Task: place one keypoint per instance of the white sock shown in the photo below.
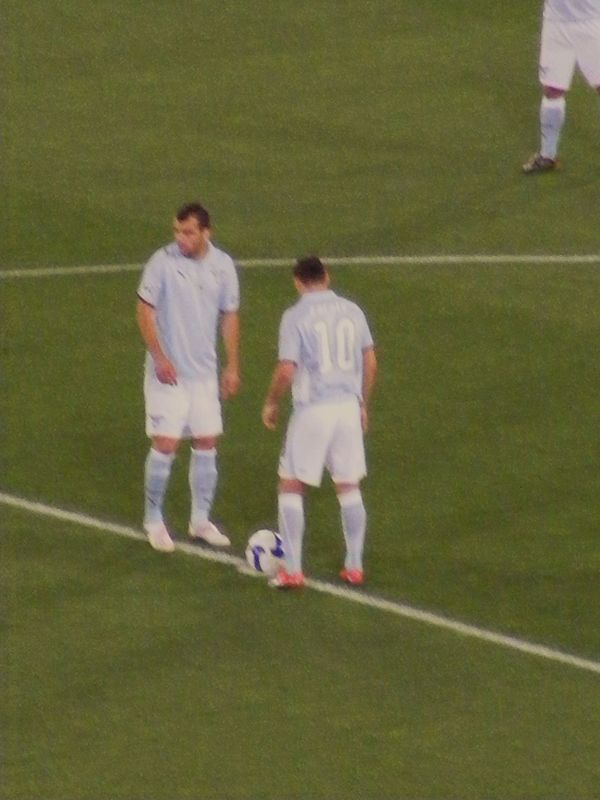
(203, 477)
(354, 524)
(552, 118)
(291, 529)
(156, 478)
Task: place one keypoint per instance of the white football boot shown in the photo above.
(208, 533)
(159, 538)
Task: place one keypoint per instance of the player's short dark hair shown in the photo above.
(195, 210)
(310, 270)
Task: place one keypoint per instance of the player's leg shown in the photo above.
(203, 478)
(354, 526)
(552, 119)
(290, 508)
(557, 64)
(157, 471)
(301, 463)
(164, 421)
(346, 463)
(206, 425)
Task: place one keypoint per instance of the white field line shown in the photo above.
(334, 261)
(351, 595)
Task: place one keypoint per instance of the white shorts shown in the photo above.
(566, 45)
(189, 409)
(324, 435)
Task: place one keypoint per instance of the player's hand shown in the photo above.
(230, 382)
(165, 370)
(270, 415)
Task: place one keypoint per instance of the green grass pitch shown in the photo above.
(346, 129)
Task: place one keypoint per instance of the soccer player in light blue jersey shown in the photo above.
(570, 38)
(187, 291)
(327, 358)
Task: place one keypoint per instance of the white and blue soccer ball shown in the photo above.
(264, 552)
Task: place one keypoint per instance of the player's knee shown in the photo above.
(165, 445)
(205, 443)
(345, 488)
(350, 497)
(290, 486)
(552, 93)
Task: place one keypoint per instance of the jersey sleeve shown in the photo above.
(366, 337)
(229, 299)
(289, 339)
(150, 285)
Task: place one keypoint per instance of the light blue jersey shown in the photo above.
(188, 295)
(324, 335)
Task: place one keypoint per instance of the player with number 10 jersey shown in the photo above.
(325, 336)
(326, 357)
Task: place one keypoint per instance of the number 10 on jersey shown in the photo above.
(336, 345)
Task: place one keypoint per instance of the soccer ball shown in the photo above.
(264, 552)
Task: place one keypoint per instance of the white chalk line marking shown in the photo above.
(354, 596)
(334, 261)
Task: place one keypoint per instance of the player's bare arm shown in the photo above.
(230, 375)
(369, 376)
(283, 377)
(146, 317)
